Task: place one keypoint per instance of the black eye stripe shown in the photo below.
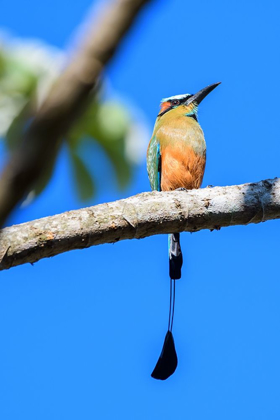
(174, 102)
(180, 101)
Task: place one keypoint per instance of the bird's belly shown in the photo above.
(181, 167)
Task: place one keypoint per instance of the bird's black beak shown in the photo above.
(199, 96)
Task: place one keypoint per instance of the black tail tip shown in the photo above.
(175, 256)
(175, 266)
(168, 361)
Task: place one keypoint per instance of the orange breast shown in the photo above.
(181, 167)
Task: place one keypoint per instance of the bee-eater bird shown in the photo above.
(176, 159)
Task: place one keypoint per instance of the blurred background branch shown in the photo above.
(34, 123)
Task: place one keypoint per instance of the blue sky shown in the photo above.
(81, 332)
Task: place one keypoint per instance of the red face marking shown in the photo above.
(164, 106)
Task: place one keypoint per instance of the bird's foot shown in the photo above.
(209, 186)
(181, 189)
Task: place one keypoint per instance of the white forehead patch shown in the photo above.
(175, 97)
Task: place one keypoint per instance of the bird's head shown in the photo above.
(188, 102)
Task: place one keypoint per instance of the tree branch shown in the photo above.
(139, 216)
(65, 103)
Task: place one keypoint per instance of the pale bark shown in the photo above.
(139, 216)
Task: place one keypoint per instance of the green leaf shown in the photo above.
(109, 126)
(121, 165)
(84, 127)
(2, 63)
(19, 79)
(15, 131)
(83, 179)
(46, 175)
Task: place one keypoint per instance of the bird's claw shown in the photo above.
(181, 189)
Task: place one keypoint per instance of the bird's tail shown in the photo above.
(167, 362)
(175, 256)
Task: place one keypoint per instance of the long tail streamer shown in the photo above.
(167, 362)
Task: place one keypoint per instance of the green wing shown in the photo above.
(154, 164)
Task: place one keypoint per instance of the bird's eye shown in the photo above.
(175, 102)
